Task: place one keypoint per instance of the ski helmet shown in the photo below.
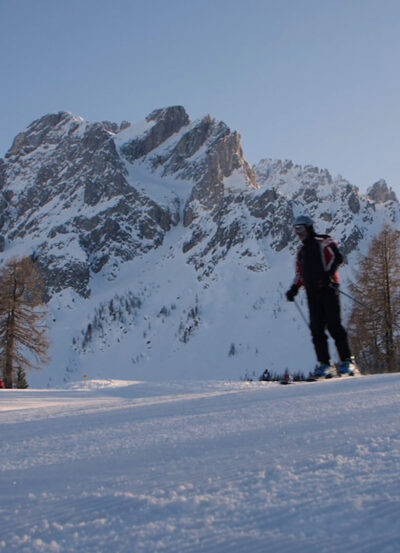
(304, 220)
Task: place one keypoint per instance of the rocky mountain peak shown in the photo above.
(380, 192)
(71, 185)
(175, 114)
(107, 193)
(45, 130)
(167, 122)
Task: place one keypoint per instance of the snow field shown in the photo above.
(202, 467)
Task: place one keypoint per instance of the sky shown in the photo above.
(314, 81)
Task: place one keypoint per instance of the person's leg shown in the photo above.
(334, 324)
(317, 327)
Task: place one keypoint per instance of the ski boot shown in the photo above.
(348, 368)
(325, 370)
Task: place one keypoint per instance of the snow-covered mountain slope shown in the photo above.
(202, 467)
(165, 254)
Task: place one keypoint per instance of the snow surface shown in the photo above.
(107, 466)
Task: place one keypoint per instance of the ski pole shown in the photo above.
(373, 311)
(301, 313)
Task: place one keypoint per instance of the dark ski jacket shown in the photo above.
(317, 261)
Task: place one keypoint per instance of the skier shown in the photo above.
(286, 379)
(265, 377)
(317, 261)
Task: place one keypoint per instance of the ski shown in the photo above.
(330, 377)
(299, 377)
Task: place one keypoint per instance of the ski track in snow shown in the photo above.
(202, 467)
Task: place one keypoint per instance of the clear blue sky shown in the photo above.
(315, 81)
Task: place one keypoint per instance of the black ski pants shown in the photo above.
(324, 307)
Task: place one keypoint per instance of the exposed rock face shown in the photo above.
(264, 213)
(80, 194)
(224, 157)
(66, 187)
(41, 132)
(65, 184)
(381, 193)
(334, 204)
(166, 123)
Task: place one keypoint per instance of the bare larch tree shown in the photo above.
(375, 328)
(23, 330)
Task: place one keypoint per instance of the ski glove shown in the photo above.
(291, 293)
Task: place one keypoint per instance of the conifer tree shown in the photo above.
(22, 383)
(23, 340)
(375, 328)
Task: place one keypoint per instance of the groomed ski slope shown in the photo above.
(202, 467)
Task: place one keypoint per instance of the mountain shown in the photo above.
(165, 254)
